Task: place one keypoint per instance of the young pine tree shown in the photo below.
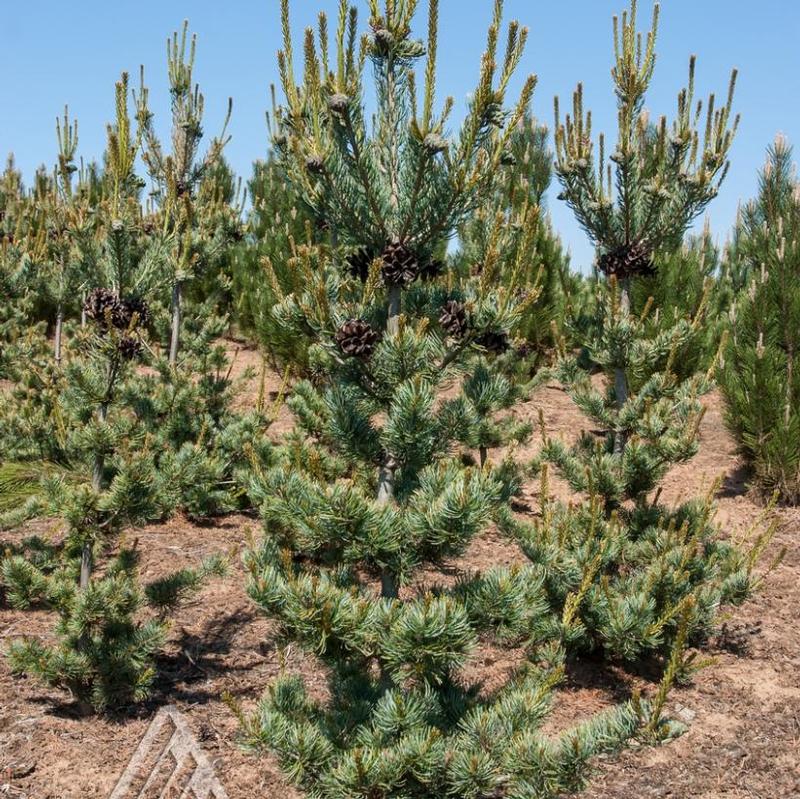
(56, 273)
(105, 642)
(178, 174)
(372, 490)
(760, 375)
(634, 562)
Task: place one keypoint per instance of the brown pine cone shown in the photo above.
(432, 269)
(495, 342)
(628, 260)
(103, 307)
(356, 338)
(130, 348)
(315, 164)
(135, 306)
(400, 265)
(454, 319)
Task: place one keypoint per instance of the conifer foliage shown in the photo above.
(634, 563)
(406, 362)
(105, 649)
(760, 376)
(523, 180)
(373, 490)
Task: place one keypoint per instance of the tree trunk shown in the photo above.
(86, 565)
(393, 322)
(484, 454)
(59, 330)
(620, 379)
(789, 386)
(389, 587)
(97, 485)
(176, 322)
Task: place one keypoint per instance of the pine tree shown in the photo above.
(760, 377)
(16, 304)
(664, 180)
(633, 562)
(177, 175)
(372, 488)
(27, 422)
(690, 283)
(104, 652)
(55, 271)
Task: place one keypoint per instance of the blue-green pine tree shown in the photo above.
(372, 490)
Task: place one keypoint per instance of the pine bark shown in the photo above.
(177, 292)
(59, 333)
(389, 587)
(620, 379)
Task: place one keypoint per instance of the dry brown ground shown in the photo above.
(743, 712)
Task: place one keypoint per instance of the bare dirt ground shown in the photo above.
(743, 712)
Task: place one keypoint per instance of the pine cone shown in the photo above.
(339, 103)
(359, 262)
(356, 338)
(135, 306)
(103, 306)
(432, 269)
(400, 265)
(629, 260)
(494, 342)
(315, 164)
(130, 348)
(454, 319)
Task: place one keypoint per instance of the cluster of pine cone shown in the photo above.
(627, 260)
(400, 265)
(107, 309)
(104, 306)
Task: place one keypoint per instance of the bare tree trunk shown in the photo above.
(789, 386)
(176, 322)
(393, 322)
(484, 454)
(389, 587)
(620, 379)
(97, 485)
(59, 330)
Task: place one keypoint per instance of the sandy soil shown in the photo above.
(743, 712)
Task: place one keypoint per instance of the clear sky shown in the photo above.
(52, 53)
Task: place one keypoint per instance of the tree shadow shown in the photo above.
(736, 482)
(199, 658)
(736, 638)
(615, 680)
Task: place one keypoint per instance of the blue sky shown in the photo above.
(52, 53)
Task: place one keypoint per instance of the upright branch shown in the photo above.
(178, 174)
(643, 196)
(398, 188)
